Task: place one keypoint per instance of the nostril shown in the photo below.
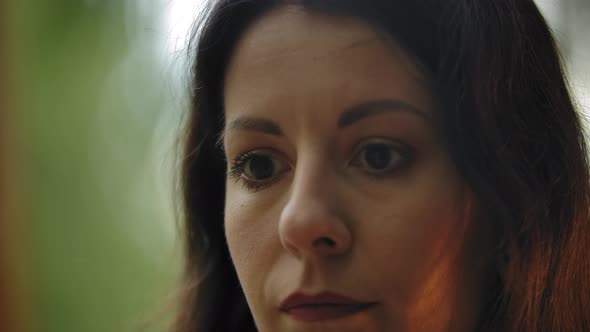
(325, 241)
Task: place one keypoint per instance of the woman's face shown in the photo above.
(343, 211)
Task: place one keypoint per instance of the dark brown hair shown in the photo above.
(506, 118)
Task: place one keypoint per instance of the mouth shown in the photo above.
(323, 306)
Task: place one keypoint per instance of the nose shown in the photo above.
(309, 225)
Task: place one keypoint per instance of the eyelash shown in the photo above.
(237, 167)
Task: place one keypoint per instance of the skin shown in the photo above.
(325, 220)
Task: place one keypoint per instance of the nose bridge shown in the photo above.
(312, 177)
(310, 223)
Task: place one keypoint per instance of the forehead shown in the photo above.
(291, 30)
(292, 54)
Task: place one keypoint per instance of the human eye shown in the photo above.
(257, 169)
(379, 156)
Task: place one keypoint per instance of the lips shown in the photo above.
(323, 306)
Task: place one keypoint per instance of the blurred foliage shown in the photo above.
(101, 235)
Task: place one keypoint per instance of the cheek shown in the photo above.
(243, 234)
(421, 227)
(251, 238)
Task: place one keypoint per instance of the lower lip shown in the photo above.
(315, 313)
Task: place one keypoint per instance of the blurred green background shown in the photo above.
(101, 92)
(100, 87)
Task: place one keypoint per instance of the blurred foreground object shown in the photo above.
(11, 290)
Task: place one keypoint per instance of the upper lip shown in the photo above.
(325, 298)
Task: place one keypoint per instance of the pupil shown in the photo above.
(261, 167)
(377, 156)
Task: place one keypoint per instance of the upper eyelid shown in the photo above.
(407, 150)
(266, 150)
(262, 151)
(243, 152)
(378, 139)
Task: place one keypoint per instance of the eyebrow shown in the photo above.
(350, 116)
(256, 124)
(363, 110)
(250, 124)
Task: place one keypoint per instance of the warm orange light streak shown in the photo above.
(11, 253)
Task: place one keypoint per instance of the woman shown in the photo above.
(383, 166)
